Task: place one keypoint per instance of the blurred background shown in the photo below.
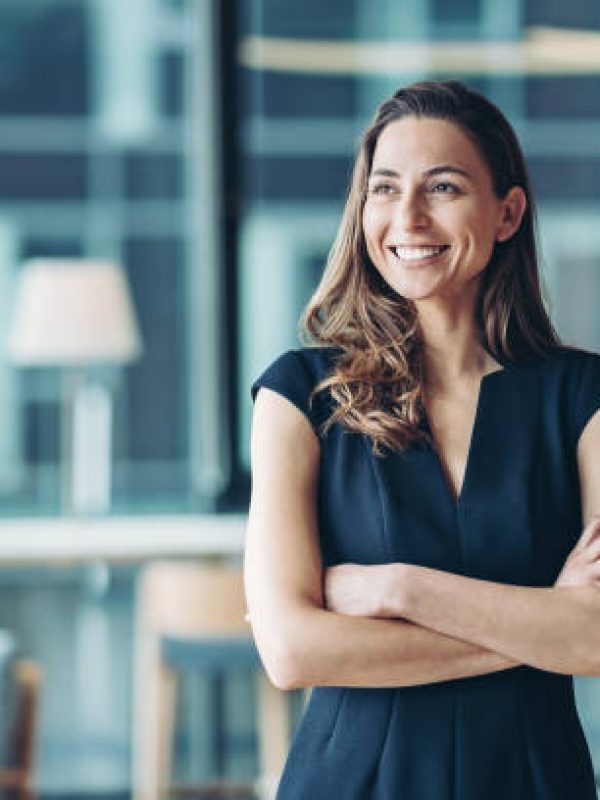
(193, 156)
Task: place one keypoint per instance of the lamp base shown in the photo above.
(87, 446)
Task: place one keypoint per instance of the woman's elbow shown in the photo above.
(282, 669)
(283, 674)
(285, 658)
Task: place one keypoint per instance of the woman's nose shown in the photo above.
(412, 211)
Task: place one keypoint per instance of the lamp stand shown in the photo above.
(86, 444)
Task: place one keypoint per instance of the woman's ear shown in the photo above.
(512, 210)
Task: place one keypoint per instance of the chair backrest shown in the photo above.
(183, 599)
(8, 697)
(28, 678)
(19, 690)
(196, 601)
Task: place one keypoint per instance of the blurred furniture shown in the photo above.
(75, 314)
(34, 541)
(19, 689)
(192, 616)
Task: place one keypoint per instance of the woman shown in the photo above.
(423, 544)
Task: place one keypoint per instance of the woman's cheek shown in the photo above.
(374, 253)
(373, 230)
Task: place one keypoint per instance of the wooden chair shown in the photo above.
(16, 778)
(189, 615)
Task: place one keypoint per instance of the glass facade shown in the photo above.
(99, 104)
(303, 109)
(207, 148)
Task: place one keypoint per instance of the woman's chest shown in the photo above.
(513, 520)
(451, 420)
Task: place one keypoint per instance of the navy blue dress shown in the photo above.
(509, 735)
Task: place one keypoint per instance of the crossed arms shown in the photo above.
(397, 624)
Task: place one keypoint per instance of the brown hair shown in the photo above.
(377, 382)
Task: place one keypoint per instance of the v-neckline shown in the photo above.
(456, 500)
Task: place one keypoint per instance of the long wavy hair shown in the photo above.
(377, 381)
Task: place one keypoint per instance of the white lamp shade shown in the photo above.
(73, 311)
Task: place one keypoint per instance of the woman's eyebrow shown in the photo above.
(442, 168)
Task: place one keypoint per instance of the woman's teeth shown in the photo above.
(417, 253)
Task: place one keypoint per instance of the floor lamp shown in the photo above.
(73, 314)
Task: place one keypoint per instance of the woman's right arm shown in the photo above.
(300, 642)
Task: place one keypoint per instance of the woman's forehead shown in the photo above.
(414, 143)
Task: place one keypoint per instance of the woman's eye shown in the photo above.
(382, 188)
(446, 188)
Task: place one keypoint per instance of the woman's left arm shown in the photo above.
(555, 629)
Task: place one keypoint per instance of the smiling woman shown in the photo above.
(439, 166)
(422, 472)
(413, 208)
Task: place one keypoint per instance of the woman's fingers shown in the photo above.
(589, 534)
(582, 567)
(592, 551)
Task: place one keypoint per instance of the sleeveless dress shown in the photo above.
(509, 735)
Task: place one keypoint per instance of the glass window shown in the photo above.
(563, 97)
(107, 151)
(170, 87)
(44, 50)
(310, 79)
(301, 116)
(461, 11)
(151, 174)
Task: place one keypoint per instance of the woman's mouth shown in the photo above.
(419, 256)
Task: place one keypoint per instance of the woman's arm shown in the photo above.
(300, 642)
(555, 628)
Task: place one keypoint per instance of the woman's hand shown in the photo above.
(364, 591)
(582, 567)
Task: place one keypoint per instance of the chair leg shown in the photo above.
(167, 702)
(214, 790)
(15, 785)
(273, 726)
(217, 722)
(153, 720)
(145, 722)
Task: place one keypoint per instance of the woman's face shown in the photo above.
(431, 217)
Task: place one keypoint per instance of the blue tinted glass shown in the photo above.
(466, 11)
(48, 176)
(312, 19)
(564, 97)
(170, 83)
(153, 175)
(45, 58)
(156, 429)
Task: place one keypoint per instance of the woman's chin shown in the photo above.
(411, 290)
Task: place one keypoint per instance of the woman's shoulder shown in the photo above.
(310, 364)
(294, 374)
(318, 359)
(571, 381)
(564, 372)
(567, 363)
(559, 360)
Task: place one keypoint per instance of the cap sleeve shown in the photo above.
(290, 376)
(586, 392)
